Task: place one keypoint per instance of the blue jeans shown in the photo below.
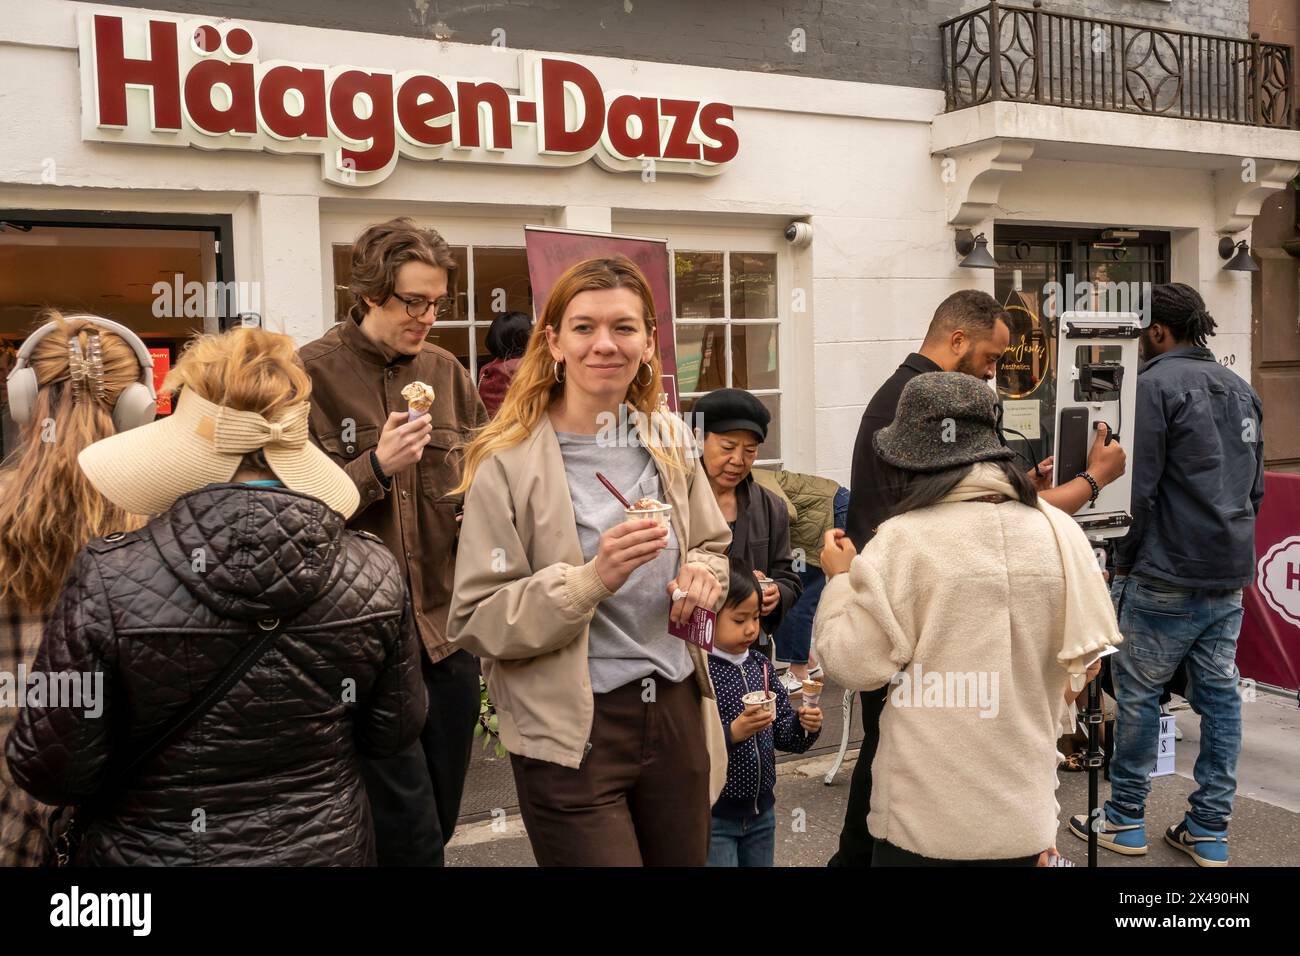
(748, 842)
(1164, 625)
(794, 637)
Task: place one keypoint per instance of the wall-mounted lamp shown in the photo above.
(974, 250)
(1242, 261)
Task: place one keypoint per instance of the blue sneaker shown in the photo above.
(1124, 835)
(1206, 847)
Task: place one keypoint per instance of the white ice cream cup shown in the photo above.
(660, 515)
(766, 699)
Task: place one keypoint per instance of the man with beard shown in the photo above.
(969, 333)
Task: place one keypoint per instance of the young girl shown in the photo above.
(610, 720)
(744, 818)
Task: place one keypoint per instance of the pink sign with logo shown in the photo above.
(1269, 647)
(552, 251)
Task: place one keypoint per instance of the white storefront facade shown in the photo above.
(882, 174)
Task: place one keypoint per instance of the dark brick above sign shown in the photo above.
(872, 41)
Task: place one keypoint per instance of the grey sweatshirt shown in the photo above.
(629, 637)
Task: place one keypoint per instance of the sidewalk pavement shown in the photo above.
(1265, 826)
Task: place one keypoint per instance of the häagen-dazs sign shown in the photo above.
(154, 80)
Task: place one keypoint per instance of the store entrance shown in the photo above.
(1041, 273)
(161, 280)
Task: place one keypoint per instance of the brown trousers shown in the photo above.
(641, 796)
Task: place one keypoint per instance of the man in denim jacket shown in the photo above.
(1198, 479)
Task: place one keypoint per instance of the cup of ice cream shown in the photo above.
(419, 399)
(649, 509)
(812, 692)
(765, 699)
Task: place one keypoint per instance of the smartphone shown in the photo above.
(1072, 444)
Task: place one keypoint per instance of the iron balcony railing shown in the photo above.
(1028, 55)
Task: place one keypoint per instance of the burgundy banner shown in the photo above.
(1269, 648)
(552, 251)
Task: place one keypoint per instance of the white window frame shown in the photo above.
(728, 241)
(474, 227)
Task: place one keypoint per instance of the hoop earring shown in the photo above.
(646, 366)
(559, 379)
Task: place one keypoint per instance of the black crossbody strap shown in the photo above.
(66, 841)
(206, 699)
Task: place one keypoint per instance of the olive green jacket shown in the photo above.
(811, 503)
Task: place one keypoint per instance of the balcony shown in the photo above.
(1001, 52)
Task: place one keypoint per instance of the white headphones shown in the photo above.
(138, 403)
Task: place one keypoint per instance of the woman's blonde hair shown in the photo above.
(245, 369)
(48, 509)
(535, 387)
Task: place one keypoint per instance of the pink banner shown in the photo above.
(552, 251)
(1268, 650)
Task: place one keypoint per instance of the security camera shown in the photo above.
(798, 234)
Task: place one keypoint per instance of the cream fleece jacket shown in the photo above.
(965, 602)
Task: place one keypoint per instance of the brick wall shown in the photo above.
(873, 41)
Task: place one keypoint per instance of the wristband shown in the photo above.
(1096, 488)
(379, 472)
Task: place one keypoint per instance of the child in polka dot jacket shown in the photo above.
(744, 818)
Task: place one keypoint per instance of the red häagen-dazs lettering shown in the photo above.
(164, 81)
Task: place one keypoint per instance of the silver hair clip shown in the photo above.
(76, 369)
(95, 369)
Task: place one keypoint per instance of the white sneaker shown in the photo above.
(793, 685)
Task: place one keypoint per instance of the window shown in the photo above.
(498, 278)
(728, 333)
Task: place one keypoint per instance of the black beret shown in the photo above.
(732, 409)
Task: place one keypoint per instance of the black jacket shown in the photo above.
(1198, 473)
(271, 773)
(869, 498)
(751, 763)
(762, 537)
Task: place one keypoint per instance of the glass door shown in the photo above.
(1041, 273)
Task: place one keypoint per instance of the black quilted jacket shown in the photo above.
(270, 775)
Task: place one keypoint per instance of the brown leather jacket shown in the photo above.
(355, 386)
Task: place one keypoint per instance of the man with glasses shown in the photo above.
(402, 281)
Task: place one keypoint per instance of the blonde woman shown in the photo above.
(251, 648)
(611, 722)
(63, 391)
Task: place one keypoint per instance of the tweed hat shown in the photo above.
(944, 420)
(144, 470)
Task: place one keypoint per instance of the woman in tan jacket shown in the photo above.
(611, 722)
(977, 603)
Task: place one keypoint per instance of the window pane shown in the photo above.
(500, 283)
(754, 356)
(700, 351)
(753, 285)
(461, 255)
(481, 355)
(699, 285)
(772, 447)
(454, 340)
(342, 276)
